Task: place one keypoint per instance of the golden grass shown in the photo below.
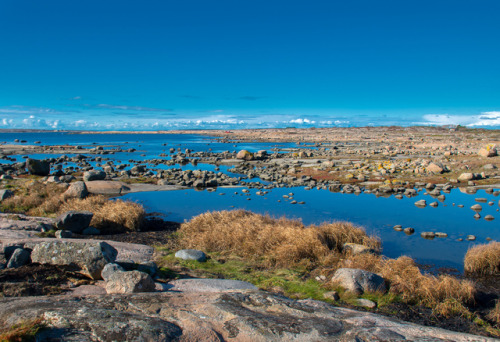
(494, 314)
(33, 195)
(39, 199)
(279, 242)
(407, 280)
(110, 216)
(483, 259)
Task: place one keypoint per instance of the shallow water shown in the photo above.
(376, 215)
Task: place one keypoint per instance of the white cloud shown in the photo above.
(485, 119)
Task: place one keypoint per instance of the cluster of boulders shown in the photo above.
(94, 259)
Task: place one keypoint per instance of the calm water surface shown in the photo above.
(376, 215)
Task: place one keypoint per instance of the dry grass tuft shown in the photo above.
(483, 259)
(452, 307)
(414, 287)
(494, 314)
(34, 198)
(110, 216)
(279, 242)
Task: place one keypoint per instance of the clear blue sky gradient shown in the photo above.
(108, 63)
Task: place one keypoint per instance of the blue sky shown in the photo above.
(210, 64)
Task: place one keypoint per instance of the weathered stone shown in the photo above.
(76, 190)
(191, 254)
(428, 235)
(488, 152)
(209, 285)
(19, 258)
(359, 281)
(110, 269)
(38, 167)
(409, 231)
(87, 257)
(94, 175)
(366, 303)
(130, 282)
(435, 168)
(4, 194)
(228, 316)
(244, 155)
(477, 207)
(355, 248)
(74, 221)
(64, 234)
(421, 203)
(489, 217)
(464, 177)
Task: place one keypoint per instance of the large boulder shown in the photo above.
(435, 168)
(488, 151)
(359, 281)
(76, 190)
(94, 175)
(38, 167)
(4, 194)
(130, 282)
(89, 258)
(244, 155)
(74, 221)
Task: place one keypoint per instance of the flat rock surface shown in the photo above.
(230, 316)
(120, 188)
(209, 285)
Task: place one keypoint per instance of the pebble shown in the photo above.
(409, 231)
(476, 207)
(398, 228)
(471, 237)
(434, 204)
(489, 218)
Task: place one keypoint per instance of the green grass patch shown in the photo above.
(293, 283)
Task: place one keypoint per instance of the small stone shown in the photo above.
(191, 254)
(471, 238)
(366, 303)
(130, 282)
(63, 234)
(110, 269)
(489, 218)
(333, 295)
(19, 258)
(476, 207)
(409, 231)
(428, 235)
(434, 204)
(421, 203)
(441, 235)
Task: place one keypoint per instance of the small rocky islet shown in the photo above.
(122, 295)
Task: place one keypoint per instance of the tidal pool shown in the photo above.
(377, 215)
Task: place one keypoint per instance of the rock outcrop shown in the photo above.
(218, 316)
(88, 258)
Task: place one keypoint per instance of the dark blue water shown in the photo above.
(376, 215)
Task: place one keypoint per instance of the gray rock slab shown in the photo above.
(209, 285)
(229, 316)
